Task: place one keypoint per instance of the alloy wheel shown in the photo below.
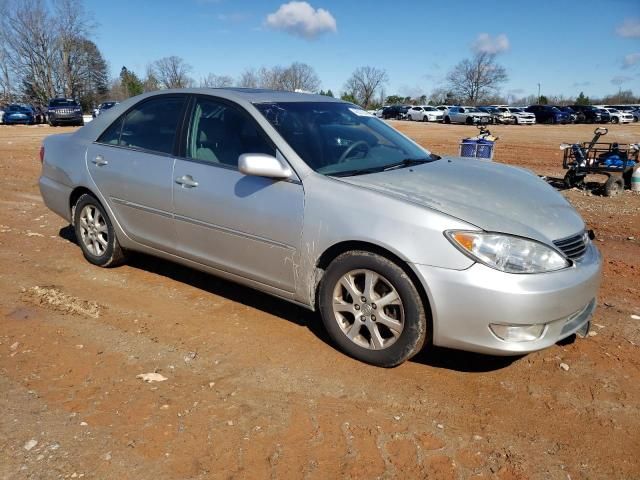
(94, 231)
(368, 309)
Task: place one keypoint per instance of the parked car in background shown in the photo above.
(636, 114)
(424, 113)
(415, 249)
(464, 114)
(618, 116)
(502, 116)
(522, 117)
(2, 115)
(102, 107)
(15, 114)
(574, 116)
(605, 116)
(591, 114)
(394, 112)
(548, 114)
(64, 111)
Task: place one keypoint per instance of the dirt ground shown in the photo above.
(253, 387)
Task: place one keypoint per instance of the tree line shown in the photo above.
(46, 51)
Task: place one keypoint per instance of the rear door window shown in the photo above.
(150, 125)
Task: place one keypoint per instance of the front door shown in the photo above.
(245, 225)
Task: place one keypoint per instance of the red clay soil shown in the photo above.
(253, 387)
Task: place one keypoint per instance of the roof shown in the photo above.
(244, 97)
(255, 95)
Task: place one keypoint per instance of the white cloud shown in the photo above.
(485, 43)
(631, 60)
(301, 19)
(629, 28)
(620, 79)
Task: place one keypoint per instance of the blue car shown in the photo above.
(548, 114)
(15, 114)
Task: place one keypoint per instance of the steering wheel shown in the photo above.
(351, 148)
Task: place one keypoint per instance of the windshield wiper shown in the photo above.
(407, 162)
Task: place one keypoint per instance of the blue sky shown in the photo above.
(565, 45)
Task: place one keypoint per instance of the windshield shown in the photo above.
(430, 109)
(471, 109)
(62, 103)
(515, 110)
(340, 138)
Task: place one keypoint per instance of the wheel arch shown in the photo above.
(76, 193)
(334, 251)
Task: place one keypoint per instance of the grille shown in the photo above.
(573, 247)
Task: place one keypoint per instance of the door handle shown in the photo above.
(186, 181)
(100, 161)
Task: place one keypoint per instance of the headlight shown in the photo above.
(508, 253)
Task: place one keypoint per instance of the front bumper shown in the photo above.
(465, 302)
(526, 120)
(65, 118)
(18, 120)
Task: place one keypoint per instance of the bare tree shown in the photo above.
(364, 83)
(30, 46)
(172, 72)
(300, 76)
(216, 81)
(72, 24)
(475, 78)
(248, 79)
(150, 82)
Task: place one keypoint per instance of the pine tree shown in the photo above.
(582, 100)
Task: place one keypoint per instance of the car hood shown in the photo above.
(491, 196)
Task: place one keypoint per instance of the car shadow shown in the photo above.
(459, 361)
(223, 288)
(431, 356)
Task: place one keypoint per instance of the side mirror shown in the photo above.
(262, 165)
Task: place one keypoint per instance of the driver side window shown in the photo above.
(219, 133)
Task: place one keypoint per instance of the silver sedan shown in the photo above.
(315, 201)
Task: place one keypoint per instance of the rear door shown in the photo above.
(245, 225)
(132, 166)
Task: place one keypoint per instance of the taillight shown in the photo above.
(42, 154)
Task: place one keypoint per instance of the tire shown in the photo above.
(447, 119)
(515, 121)
(613, 186)
(99, 245)
(572, 180)
(373, 342)
(615, 120)
(552, 121)
(426, 119)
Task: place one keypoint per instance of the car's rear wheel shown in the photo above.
(615, 120)
(371, 309)
(447, 119)
(425, 118)
(95, 233)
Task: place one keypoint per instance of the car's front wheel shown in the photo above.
(371, 309)
(95, 233)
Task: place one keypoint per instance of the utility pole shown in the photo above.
(538, 92)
